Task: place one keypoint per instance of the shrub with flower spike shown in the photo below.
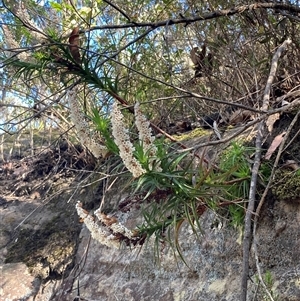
(170, 190)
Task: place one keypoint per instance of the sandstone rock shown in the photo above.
(17, 283)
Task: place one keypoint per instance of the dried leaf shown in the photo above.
(216, 130)
(291, 164)
(197, 55)
(107, 220)
(274, 145)
(284, 103)
(74, 44)
(271, 120)
(240, 116)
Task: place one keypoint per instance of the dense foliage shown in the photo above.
(141, 56)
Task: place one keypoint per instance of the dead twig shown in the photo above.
(255, 168)
(261, 202)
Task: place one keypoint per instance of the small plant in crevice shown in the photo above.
(265, 171)
(269, 282)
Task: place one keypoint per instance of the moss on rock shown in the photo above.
(198, 132)
(286, 185)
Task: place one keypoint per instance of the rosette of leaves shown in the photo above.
(235, 164)
(175, 194)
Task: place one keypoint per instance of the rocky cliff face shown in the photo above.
(47, 254)
(214, 264)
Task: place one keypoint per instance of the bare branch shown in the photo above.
(127, 45)
(255, 168)
(118, 9)
(203, 17)
(192, 94)
(261, 202)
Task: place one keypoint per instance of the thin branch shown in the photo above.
(9, 105)
(261, 202)
(77, 13)
(255, 168)
(126, 46)
(24, 22)
(203, 17)
(119, 10)
(189, 93)
(292, 17)
(28, 119)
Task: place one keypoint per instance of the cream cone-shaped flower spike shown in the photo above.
(122, 140)
(106, 229)
(98, 232)
(93, 143)
(145, 135)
